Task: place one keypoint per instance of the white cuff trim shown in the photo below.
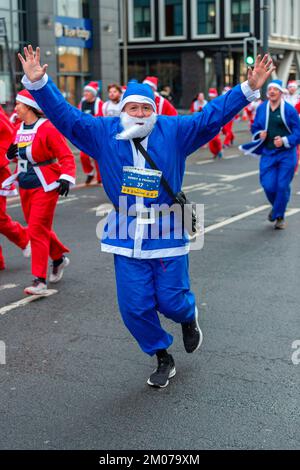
(286, 142)
(67, 178)
(249, 93)
(35, 85)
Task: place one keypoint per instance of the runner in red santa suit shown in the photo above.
(198, 104)
(12, 230)
(292, 97)
(163, 106)
(90, 104)
(227, 130)
(215, 145)
(46, 168)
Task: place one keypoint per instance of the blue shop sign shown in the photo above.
(73, 32)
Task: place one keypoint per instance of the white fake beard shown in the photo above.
(136, 127)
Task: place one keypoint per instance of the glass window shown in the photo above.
(71, 8)
(206, 16)
(69, 59)
(173, 17)
(142, 18)
(240, 16)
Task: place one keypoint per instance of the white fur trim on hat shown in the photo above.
(29, 102)
(276, 85)
(90, 88)
(148, 82)
(138, 99)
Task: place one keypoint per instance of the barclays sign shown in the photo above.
(73, 32)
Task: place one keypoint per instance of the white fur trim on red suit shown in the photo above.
(68, 178)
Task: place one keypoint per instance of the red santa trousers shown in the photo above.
(87, 166)
(39, 207)
(12, 230)
(215, 145)
(229, 135)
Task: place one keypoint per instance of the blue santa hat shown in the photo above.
(276, 84)
(138, 93)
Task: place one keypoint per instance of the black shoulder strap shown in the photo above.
(148, 159)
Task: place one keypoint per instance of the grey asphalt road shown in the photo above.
(75, 379)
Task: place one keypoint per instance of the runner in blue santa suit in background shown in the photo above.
(276, 134)
(151, 273)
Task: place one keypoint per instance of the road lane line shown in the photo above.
(230, 157)
(236, 218)
(25, 301)
(9, 286)
(230, 178)
(257, 191)
(292, 212)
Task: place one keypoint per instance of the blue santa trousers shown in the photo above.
(148, 286)
(276, 174)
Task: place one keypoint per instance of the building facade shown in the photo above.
(78, 40)
(193, 45)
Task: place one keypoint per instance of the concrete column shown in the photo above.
(192, 76)
(41, 31)
(283, 70)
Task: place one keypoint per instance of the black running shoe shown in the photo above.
(89, 179)
(165, 371)
(192, 335)
(271, 217)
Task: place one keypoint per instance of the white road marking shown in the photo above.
(230, 157)
(205, 162)
(102, 210)
(25, 301)
(67, 199)
(236, 218)
(230, 178)
(291, 212)
(209, 188)
(257, 191)
(8, 286)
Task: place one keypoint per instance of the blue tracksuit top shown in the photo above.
(170, 142)
(291, 121)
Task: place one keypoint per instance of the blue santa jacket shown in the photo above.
(291, 121)
(171, 141)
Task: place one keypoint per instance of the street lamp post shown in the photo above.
(125, 48)
(266, 34)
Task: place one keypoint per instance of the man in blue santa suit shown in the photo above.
(151, 271)
(276, 134)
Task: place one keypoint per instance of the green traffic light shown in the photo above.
(250, 60)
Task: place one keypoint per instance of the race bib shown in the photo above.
(141, 182)
(24, 140)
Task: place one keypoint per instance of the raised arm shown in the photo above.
(78, 127)
(198, 129)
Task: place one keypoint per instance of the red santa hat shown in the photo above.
(92, 87)
(25, 97)
(212, 93)
(151, 81)
(292, 84)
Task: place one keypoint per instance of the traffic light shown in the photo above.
(250, 51)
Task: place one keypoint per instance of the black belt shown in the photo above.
(44, 163)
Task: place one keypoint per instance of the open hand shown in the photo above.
(31, 64)
(261, 71)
